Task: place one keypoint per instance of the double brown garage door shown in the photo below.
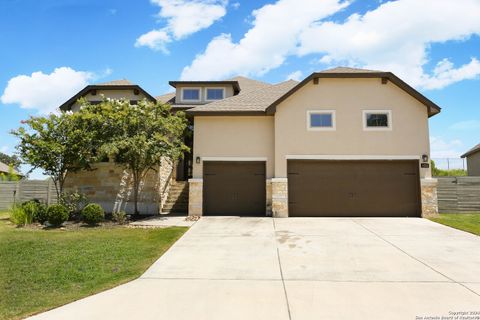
(353, 188)
(234, 188)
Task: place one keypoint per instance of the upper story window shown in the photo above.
(377, 120)
(191, 94)
(321, 120)
(215, 93)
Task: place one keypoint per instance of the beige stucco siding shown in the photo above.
(228, 92)
(473, 164)
(112, 94)
(241, 137)
(349, 97)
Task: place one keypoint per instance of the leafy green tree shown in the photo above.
(57, 144)
(12, 160)
(138, 136)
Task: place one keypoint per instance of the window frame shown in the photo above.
(206, 93)
(192, 88)
(322, 111)
(378, 111)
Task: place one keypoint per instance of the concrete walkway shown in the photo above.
(300, 268)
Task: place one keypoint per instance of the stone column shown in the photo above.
(280, 197)
(195, 197)
(429, 197)
(268, 209)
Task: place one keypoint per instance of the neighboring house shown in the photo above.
(473, 160)
(342, 142)
(6, 170)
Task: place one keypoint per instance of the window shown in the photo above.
(215, 93)
(377, 120)
(321, 120)
(192, 94)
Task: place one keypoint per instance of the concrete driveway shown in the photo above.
(300, 268)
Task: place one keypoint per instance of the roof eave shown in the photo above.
(226, 113)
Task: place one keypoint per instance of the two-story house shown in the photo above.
(342, 142)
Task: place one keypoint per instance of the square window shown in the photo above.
(321, 120)
(214, 93)
(377, 120)
(191, 94)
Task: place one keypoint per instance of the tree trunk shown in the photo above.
(136, 185)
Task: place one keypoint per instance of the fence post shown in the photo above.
(49, 195)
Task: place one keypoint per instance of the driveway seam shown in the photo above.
(280, 267)
(414, 258)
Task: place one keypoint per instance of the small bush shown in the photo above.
(41, 215)
(73, 201)
(93, 213)
(30, 209)
(57, 214)
(18, 216)
(119, 217)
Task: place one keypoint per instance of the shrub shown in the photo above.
(41, 215)
(119, 217)
(73, 201)
(93, 213)
(18, 216)
(57, 214)
(30, 209)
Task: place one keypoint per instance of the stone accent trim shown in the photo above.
(195, 197)
(268, 209)
(429, 197)
(280, 197)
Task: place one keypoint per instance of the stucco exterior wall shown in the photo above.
(473, 164)
(233, 137)
(203, 92)
(112, 94)
(349, 97)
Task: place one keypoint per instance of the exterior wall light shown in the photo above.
(425, 158)
(197, 160)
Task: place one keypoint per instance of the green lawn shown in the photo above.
(42, 269)
(463, 221)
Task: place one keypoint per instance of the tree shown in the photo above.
(58, 144)
(12, 160)
(138, 136)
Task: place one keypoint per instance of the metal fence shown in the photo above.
(450, 163)
(12, 192)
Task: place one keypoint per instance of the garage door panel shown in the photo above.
(353, 188)
(234, 188)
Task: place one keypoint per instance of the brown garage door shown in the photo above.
(353, 188)
(234, 188)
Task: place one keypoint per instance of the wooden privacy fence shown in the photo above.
(19, 191)
(458, 194)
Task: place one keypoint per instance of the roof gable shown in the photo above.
(342, 72)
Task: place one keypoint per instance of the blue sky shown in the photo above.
(53, 48)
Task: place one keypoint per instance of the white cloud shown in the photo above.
(441, 148)
(396, 37)
(4, 149)
(273, 36)
(45, 92)
(183, 19)
(466, 125)
(236, 5)
(296, 75)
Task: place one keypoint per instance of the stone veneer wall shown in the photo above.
(110, 186)
(269, 197)
(280, 197)
(195, 197)
(429, 197)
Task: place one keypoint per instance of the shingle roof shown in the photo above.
(348, 70)
(166, 98)
(472, 151)
(255, 100)
(120, 82)
(247, 85)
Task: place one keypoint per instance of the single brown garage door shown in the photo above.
(234, 188)
(353, 188)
